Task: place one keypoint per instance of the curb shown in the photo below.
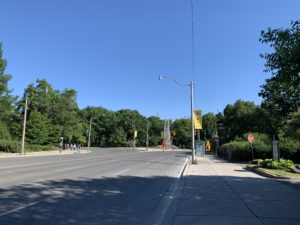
(165, 210)
(41, 154)
(265, 174)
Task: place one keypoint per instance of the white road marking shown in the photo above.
(70, 168)
(120, 172)
(18, 209)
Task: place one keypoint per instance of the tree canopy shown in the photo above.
(281, 92)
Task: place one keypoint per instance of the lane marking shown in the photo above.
(56, 162)
(18, 209)
(120, 172)
(70, 168)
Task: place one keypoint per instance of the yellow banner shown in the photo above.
(135, 134)
(197, 114)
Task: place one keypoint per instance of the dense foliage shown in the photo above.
(281, 92)
(54, 114)
(283, 164)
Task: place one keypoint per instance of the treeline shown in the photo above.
(53, 114)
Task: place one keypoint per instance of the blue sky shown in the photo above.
(112, 51)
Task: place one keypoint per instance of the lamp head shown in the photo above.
(160, 77)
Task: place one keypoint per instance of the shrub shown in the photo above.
(241, 150)
(236, 151)
(283, 164)
(290, 149)
(10, 146)
(15, 147)
(36, 148)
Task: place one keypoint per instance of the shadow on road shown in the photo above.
(132, 200)
(120, 200)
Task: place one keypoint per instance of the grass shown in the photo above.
(278, 172)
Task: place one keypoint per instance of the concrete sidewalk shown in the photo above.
(221, 193)
(41, 153)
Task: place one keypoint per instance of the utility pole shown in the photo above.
(192, 120)
(147, 141)
(89, 140)
(24, 128)
(191, 85)
(133, 136)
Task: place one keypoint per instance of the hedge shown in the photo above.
(10, 146)
(15, 147)
(240, 150)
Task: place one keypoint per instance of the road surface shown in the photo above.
(111, 186)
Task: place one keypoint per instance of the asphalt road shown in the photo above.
(112, 186)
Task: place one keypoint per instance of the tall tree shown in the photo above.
(238, 119)
(183, 137)
(156, 126)
(281, 92)
(209, 124)
(7, 101)
(292, 128)
(102, 122)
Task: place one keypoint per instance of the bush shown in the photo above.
(15, 147)
(283, 164)
(290, 149)
(10, 146)
(37, 148)
(240, 150)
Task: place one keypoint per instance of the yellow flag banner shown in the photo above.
(197, 114)
(135, 134)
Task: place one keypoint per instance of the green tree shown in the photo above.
(67, 116)
(57, 110)
(102, 122)
(156, 126)
(130, 119)
(281, 92)
(4, 132)
(209, 124)
(117, 138)
(292, 128)
(7, 101)
(38, 129)
(182, 127)
(238, 119)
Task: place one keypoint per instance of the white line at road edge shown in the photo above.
(160, 212)
(118, 173)
(70, 168)
(18, 209)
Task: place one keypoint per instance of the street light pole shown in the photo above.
(133, 136)
(191, 85)
(89, 140)
(24, 128)
(147, 141)
(192, 121)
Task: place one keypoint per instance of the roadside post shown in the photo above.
(61, 144)
(276, 155)
(251, 140)
(147, 138)
(24, 127)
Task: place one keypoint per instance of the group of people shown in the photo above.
(73, 147)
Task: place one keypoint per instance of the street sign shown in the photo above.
(250, 138)
(197, 114)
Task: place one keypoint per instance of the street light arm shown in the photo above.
(161, 77)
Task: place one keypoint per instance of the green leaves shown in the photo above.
(281, 92)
